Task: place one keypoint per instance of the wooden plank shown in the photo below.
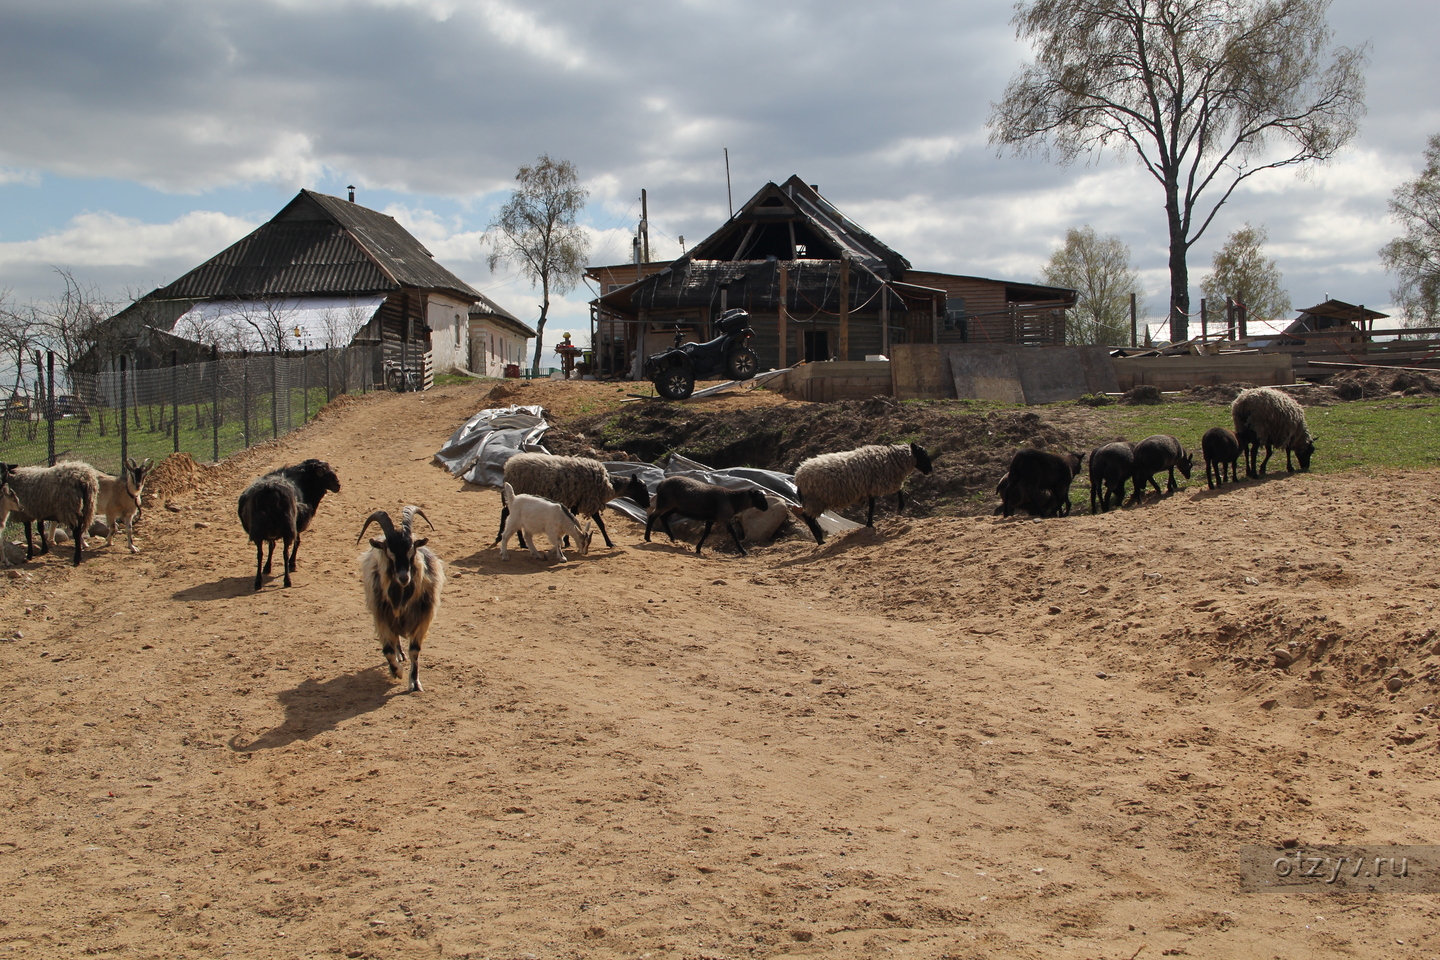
(986, 373)
(844, 352)
(780, 320)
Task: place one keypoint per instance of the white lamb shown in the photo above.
(531, 515)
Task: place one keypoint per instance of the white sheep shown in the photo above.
(580, 483)
(529, 515)
(833, 481)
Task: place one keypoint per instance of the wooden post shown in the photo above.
(844, 351)
(50, 411)
(124, 409)
(174, 396)
(1134, 327)
(215, 400)
(885, 320)
(1240, 311)
(783, 314)
(1204, 322)
(934, 320)
(1230, 317)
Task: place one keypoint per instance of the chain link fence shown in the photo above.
(208, 410)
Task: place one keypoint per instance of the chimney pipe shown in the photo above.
(351, 188)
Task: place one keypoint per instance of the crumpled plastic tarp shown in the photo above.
(478, 451)
(781, 485)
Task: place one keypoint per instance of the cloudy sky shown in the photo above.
(138, 138)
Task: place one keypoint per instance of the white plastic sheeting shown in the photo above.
(308, 322)
(478, 451)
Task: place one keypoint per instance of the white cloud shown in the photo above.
(97, 240)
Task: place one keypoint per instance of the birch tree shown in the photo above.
(536, 230)
(1203, 93)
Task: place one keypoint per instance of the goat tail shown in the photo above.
(507, 495)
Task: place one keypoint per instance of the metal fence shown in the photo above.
(209, 410)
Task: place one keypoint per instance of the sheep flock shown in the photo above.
(402, 577)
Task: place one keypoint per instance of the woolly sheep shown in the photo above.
(64, 493)
(1039, 483)
(1269, 416)
(8, 505)
(403, 579)
(1153, 454)
(833, 481)
(280, 505)
(1221, 450)
(581, 484)
(710, 502)
(1111, 466)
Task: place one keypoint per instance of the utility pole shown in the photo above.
(644, 229)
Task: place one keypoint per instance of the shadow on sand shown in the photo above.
(317, 706)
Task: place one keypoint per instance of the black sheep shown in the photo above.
(280, 505)
(1110, 466)
(698, 500)
(1039, 483)
(1153, 454)
(1221, 449)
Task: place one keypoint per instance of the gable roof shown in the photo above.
(318, 245)
(485, 308)
(780, 216)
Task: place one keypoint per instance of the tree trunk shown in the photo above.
(1179, 272)
(540, 328)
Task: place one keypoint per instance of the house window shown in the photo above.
(955, 316)
(457, 329)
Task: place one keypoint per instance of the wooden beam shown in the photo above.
(780, 329)
(844, 352)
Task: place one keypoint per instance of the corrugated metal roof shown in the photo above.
(318, 245)
(485, 307)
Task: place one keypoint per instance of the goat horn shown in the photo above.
(410, 513)
(380, 517)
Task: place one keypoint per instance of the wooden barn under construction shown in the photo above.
(817, 287)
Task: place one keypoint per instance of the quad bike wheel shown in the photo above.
(675, 382)
(742, 363)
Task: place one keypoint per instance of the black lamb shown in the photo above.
(698, 500)
(1038, 483)
(1221, 449)
(1156, 453)
(280, 506)
(1110, 466)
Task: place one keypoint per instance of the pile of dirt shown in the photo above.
(971, 451)
(176, 474)
(1373, 382)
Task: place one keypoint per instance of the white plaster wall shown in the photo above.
(449, 322)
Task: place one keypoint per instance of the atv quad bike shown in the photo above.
(675, 371)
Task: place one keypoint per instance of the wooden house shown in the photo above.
(817, 286)
(322, 272)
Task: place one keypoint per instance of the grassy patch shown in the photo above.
(1370, 434)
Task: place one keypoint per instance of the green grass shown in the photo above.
(1383, 434)
(149, 431)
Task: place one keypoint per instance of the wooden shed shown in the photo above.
(817, 286)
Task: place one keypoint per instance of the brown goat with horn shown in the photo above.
(403, 579)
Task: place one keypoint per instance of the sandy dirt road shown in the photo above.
(965, 737)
